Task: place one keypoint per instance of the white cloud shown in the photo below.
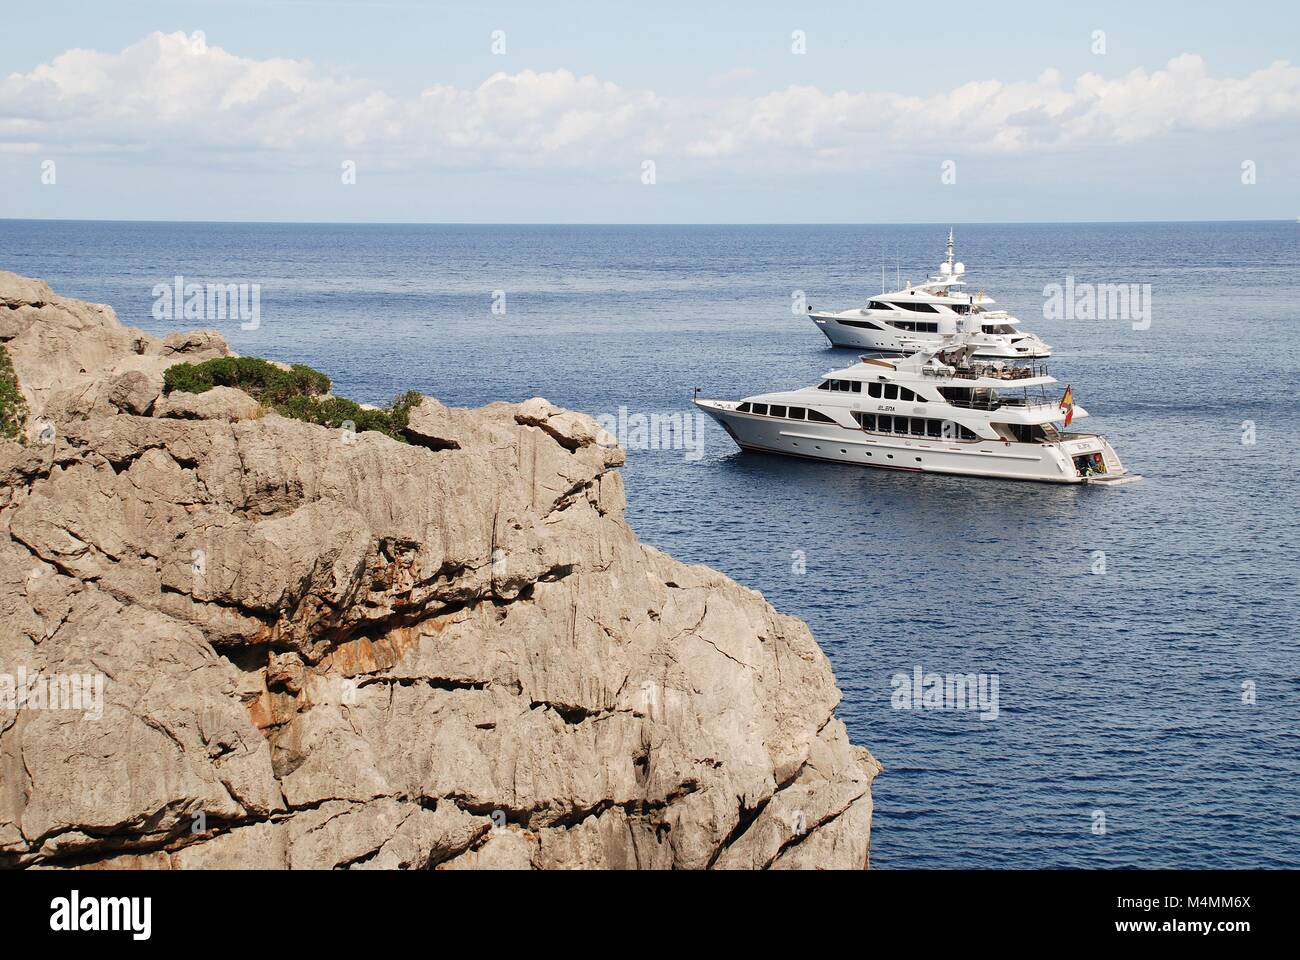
(1005, 118)
(160, 96)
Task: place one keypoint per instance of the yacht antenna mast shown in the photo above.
(950, 250)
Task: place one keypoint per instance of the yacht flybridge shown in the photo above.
(910, 319)
(938, 410)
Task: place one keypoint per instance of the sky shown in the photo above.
(661, 112)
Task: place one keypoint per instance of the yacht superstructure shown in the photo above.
(938, 410)
(912, 318)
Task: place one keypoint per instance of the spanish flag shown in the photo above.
(1067, 404)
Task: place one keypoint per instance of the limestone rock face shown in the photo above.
(74, 357)
(134, 392)
(219, 403)
(320, 649)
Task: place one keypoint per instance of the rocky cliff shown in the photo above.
(320, 648)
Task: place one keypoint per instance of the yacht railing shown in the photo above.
(998, 402)
(974, 371)
(1026, 401)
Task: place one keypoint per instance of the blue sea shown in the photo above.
(1149, 715)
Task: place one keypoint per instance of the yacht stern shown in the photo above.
(1095, 461)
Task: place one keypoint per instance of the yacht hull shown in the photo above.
(843, 331)
(833, 443)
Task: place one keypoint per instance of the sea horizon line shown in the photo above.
(562, 223)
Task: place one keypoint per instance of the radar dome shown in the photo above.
(945, 268)
(960, 268)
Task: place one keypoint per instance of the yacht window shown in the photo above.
(885, 423)
(900, 426)
(864, 324)
(873, 390)
(905, 394)
(824, 385)
(776, 411)
(857, 385)
(744, 407)
(891, 391)
(868, 421)
(905, 325)
(819, 417)
(918, 307)
(796, 413)
(931, 327)
(761, 409)
(933, 428)
(967, 434)
(918, 427)
(880, 305)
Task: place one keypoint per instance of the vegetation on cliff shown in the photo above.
(298, 392)
(12, 408)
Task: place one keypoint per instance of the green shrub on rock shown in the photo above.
(12, 408)
(298, 393)
(261, 380)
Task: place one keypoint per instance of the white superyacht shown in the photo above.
(938, 410)
(910, 319)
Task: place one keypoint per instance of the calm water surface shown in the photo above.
(1119, 692)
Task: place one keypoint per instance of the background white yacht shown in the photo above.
(910, 319)
(936, 411)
